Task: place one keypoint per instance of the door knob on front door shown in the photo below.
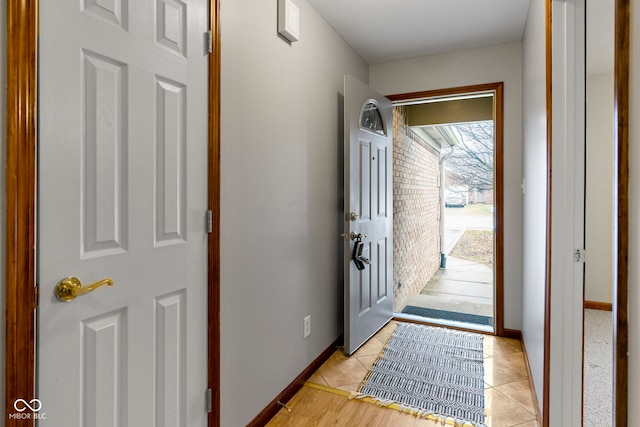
(71, 287)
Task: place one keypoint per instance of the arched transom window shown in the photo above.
(371, 119)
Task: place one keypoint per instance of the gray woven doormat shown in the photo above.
(431, 371)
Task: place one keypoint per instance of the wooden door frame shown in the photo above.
(621, 146)
(21, 192)
(498, 89)
(546, 364)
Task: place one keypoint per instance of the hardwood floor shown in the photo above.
(312, 407)
(324, 400)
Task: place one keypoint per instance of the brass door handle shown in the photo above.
(71, 287)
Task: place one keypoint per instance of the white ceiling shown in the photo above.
(390, 30)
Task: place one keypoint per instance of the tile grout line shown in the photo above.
(513, 400)
(514, 350)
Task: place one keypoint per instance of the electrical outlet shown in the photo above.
(307, 326)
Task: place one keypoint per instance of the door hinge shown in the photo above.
(209, 221)
(36, 302)
(578, 255)
(208, 394)
(209, 41)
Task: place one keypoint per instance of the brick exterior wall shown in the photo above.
(416, 210)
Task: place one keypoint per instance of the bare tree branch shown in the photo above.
(471, 164)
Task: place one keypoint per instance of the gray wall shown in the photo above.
(535, 176)
(477, 66)
(281, 200)
(3, 103)
(599, 189)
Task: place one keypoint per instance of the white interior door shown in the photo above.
(368, 212)
(123, 195)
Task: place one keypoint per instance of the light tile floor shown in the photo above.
(508, 396)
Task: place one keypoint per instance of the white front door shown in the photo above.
(123, 195)
(368, 213)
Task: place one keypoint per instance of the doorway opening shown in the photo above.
(598, 319)
(448, 207)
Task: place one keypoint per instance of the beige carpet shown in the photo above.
(598, 368)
